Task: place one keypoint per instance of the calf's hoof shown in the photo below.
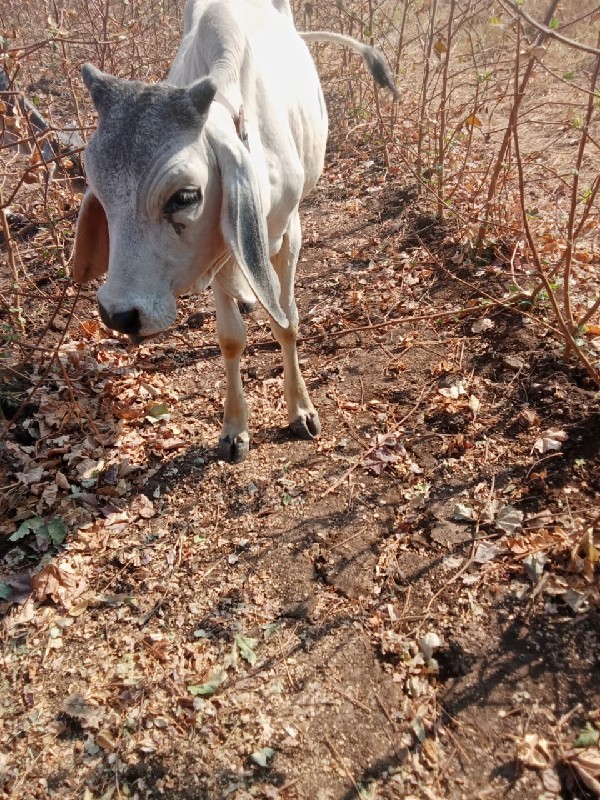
(307, 426)
(234, 449)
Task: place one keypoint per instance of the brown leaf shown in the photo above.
(62, 481)
(33, 475)
(440, 47)
(550, 440)
(78, 707)
(105, 740)
(53, 582)
(172, 444)
(141, 506)
(473, 121)
(533, 751)
(587, 764)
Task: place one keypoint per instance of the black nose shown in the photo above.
(122, 321)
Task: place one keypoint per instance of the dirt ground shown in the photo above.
(404, 608)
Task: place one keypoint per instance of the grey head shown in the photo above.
(170, 196)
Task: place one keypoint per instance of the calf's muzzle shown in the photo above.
(123, 321)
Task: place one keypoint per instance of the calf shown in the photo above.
(198, 180)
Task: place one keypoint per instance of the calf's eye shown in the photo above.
(183, 199)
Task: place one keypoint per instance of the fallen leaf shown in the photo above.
(171, 444)
(577, 601)
(515, 362)
(454, 391)
(159, 411)
(27, 527)
(53, 582)
(528, 418)
(533, 751)
(587, 764)
(509, 519)
(541, 520)
(474, 405)
(550, 440)
(5, 591)
(486, 551)
(79, 708)
(105, 740)
(429, 643)
(261, 757)
(211, 686)
(589, 759)
(62, 482)
(534, 566)
(419, 729)
(57, 531)
(481, 325)
(464, 513)
(34, 475)
(588, 736)
(473, 121)
(246, 647)
(88, 469)
(141, 506)
(48, 498)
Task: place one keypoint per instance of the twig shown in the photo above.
(342, 765)
(352, 700)
(590, 312)
(386, 712)
(518, 97)
(550, 32)
(537, 463)
(16, 789)
(349, 539)
(468, 562)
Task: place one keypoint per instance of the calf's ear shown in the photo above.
(243, 223)
(103, 88)
(90, 254)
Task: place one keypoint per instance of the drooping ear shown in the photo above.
(243, 223)
(90, 254)
(202, 93)
(102, 87)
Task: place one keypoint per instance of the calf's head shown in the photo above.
(172, 195)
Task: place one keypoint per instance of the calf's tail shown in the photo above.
(373, 58)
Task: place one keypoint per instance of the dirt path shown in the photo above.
(408, 616)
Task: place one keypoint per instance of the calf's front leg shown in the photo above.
(234, 440)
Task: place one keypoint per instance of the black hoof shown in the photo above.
(233, 449)
(306, 427)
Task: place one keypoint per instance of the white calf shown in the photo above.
(197, 181)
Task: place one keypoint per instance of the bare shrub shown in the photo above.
(498, 128)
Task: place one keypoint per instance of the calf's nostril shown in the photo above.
(104, 315)
(122, 321)
(126, 321)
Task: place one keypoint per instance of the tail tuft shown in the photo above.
(379, 69)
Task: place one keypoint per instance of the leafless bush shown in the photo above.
(498, 127)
